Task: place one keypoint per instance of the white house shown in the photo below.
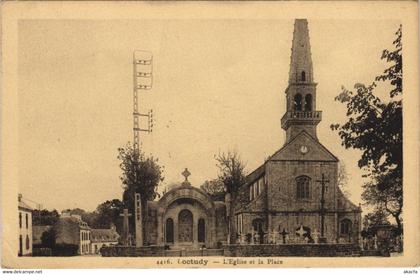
(25, 228)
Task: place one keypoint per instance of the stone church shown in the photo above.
(294, 192)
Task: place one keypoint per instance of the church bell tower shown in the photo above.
(301, 111)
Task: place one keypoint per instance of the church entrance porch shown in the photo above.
(185, 226)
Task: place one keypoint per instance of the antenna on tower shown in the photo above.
(143, 80)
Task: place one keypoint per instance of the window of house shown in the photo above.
(345, 227)
(27, 242)
(302, 187)
(20, 220)
(26, 219)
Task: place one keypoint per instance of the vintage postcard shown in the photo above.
(209, 134)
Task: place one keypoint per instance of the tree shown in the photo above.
(45, 217)
(342, 178)
(109, 213)
(215, 189)
(142, 175)
(48, 238)
(232, 175)
(373, 220)
(374, 126)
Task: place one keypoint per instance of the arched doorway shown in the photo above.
(169, 230)
(201, 231)
(185, 226)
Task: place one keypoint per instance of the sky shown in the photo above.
(218, 85)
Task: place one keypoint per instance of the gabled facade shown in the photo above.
(25, 228)
(70, 229)
(295, 191)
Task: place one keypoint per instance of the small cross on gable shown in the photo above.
(186, 173)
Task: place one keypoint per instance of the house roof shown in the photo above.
(74, 220)
(22, 205)
(104, 235)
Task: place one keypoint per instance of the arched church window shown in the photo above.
(297, 102)
(169, 230)
(345, 227)
(308, 102)
(303, 76)
(302, 187)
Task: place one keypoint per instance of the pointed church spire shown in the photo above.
(301, 114)
(301, 60)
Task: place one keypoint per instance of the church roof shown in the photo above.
(316, 151)
(289, 152)
(300, 59)
(344, 204)
(256, 174)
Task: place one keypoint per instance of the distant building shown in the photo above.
(71, 229)
(103, 237)
(25, 228)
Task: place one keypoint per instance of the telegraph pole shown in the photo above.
(142, 80)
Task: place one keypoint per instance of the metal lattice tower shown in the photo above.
(143, 80)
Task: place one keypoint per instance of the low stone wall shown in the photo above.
(262, 250)
(132, 251)
(156, 251)
(292, 250)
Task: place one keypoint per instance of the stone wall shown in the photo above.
(155, 251)
(296, 250)
(292, 221)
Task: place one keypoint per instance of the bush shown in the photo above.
(65, 250)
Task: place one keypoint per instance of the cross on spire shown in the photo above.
(186, 174)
